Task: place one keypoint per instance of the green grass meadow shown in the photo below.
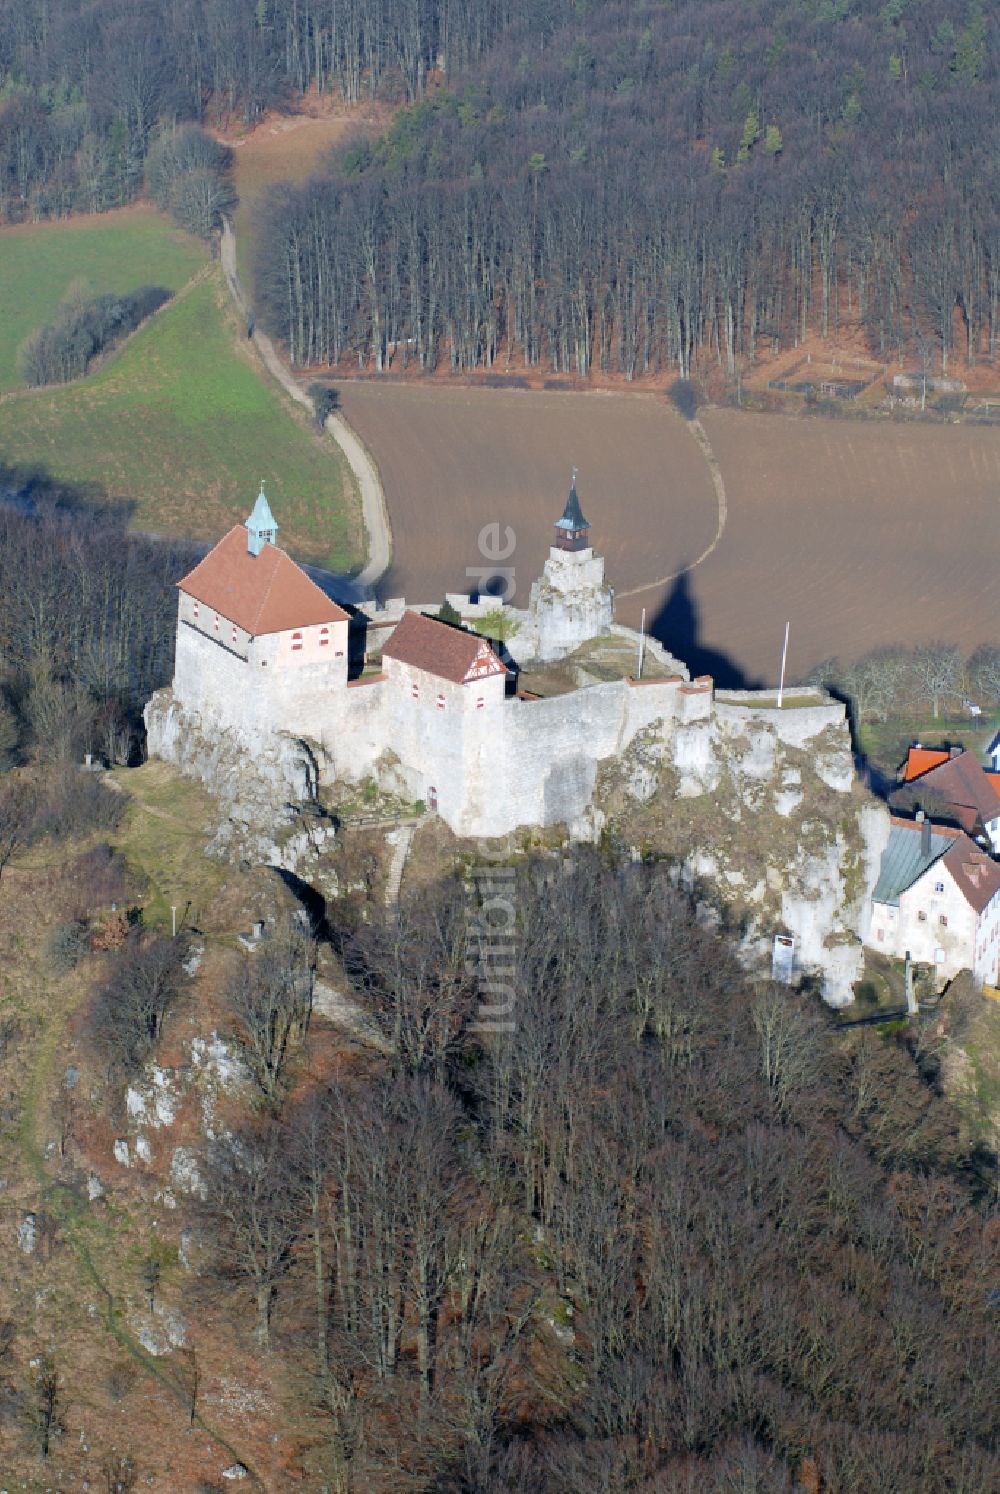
(183, 424)
(117, 252)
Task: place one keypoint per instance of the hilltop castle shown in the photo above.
(279, 693)
(265, 659)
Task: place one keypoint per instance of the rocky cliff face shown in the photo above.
(260, 793)
(762, 819)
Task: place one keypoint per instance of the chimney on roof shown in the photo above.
(925, 832)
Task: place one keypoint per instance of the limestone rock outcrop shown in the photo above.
(760, 817)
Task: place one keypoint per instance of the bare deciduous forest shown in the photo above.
(671, 1232)
(620, 187)
(87, 615)
(647, 187)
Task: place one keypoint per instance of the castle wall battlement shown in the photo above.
(489, 763)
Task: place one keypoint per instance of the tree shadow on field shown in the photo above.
(34, 492)
(676, 625)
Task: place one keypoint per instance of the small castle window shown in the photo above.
(921, 916)
(440, 702)
(480, 703)
(881, 936)
(195, 609)
(416, 691)
(296, 640)
(234, 632)
(324, 637)
(216, 622)
(938, 886)
(943, 920)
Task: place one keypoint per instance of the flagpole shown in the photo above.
(784, 656)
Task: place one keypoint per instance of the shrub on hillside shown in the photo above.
(10, 734)
(74, 802)
(65, 347)
(102, 877)
(187, 174)
(129, 1009)
(325, 401)
(66, 946)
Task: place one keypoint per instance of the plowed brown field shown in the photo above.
(452, 460)
(858, 534)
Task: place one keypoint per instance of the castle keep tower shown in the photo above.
(571, 601)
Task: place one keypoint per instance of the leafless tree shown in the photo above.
(983, 671)
(129, 1009)
(789, 1036)
(18, 807)
(251, 1212)
(43, 1410)
(877, 683)
(411, 967)
(270, 998)
(936, 669)
(191, 1376)
(121, 1474)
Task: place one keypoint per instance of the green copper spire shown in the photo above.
(261, 525)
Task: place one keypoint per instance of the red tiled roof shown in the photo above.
(438, 649)
(963, 783)
(265, 593)
(976, 876)
(921, 759)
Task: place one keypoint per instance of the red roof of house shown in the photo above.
(963, 783)
(265, 593)
(435, 647)
(921, 759)
(976, 875)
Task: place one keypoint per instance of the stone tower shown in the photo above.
(571, 601)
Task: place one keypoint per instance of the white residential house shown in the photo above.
(993, 753)
(937, 899)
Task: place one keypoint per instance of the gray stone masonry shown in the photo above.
(570, 603)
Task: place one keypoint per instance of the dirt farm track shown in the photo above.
(857, 533)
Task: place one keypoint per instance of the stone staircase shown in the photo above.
(399, 839)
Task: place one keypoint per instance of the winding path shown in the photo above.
(701, 436)
(357, 456)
